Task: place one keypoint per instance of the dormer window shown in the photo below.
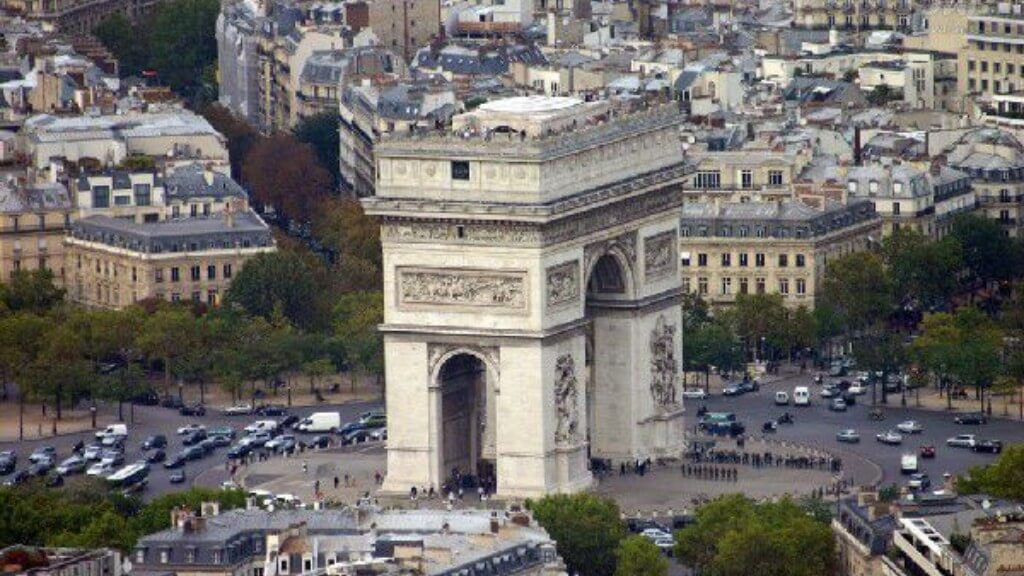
(852, 186)
(873, 187)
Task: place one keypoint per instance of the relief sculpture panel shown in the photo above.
(563, 283)
(470, 288)
(659, 255)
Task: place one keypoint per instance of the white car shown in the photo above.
(190, 428)
(666, 545)
(72, 465)
(655, 533)
(101, 469)
(695, 394)
(238, 410)
(92, 452)
(275, 443)
(858, 389)
(910, 427)
(889, 437)
(962, 441)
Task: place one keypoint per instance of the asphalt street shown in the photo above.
(817, 426)
(150, 420)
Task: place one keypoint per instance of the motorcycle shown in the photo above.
(786, 418)
(702, 410)
(770, 427)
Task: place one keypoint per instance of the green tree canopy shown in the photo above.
(280, 280)
(1003, 478)
(31, 291)
(987, 254)
(321, 132)
(923, 271)
(638, 556)
(857, 290)
(587, 530)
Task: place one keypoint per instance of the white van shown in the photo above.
(319, 422)
(801, 396)
(781, 398)
(261, 426)
(113, 431)
(908, 463)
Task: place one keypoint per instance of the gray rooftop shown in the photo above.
(41, 197)
(246, 230)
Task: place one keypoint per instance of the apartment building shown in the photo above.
(855, 14)
(33, 222)
(745, 175)
(993, 60)
(901, 194)
(76, 16)
(783, 247)
(325, 73)
(994, 159)
(403, 26)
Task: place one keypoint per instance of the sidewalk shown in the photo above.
(1002, 406)
(38, 426)
(216, 397)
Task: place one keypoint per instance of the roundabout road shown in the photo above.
(816, 426)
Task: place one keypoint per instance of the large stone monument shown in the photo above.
(531, 290)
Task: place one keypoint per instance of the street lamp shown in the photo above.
(92, 413)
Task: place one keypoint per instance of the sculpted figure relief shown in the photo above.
(659, 254)
(566, 403)
(504, 291)
(663, 364)
(563, 283)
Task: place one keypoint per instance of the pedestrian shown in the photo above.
(305, 466)
(622, 469)
(412, 493)
(346, 481)
(335, 482)
(460, 493)
(480, 492)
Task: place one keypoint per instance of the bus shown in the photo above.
(132, 476)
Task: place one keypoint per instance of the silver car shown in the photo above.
(910, 427)
(849, 435)
(72, 465)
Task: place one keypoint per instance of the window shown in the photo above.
(759, 260)
(193, 210)
(708, 179)
(196, 273)
(702, 285)
(164, 556)
(801, 261)
(873, 187)
(190, 555)
(897, 187)
(283, 565)
(702, 259)
(1004, 195)
(211, 297)
(143, 195)
(135, 275)
(852, 186)
(101, 197)
(686, 285)
(783, 285)
(159, 275)
(140, 556)
(122, 200)
(206, 209)
(726, 259)
(783, 260)
(801, 286)
(895, 208)
(743, 259)
(685, 259)
(175, 297)
(726, 286)
(744, 285)
(211, 272)
(984, 65)
(775, 177)
(746, 179)
(971, 65)
(227, 270)
(460, 170)
(196, 296)
(175, 275)
(759, 285)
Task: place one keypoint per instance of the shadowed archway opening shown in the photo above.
(467, 446)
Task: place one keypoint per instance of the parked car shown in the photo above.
(971, 418)
(41, 467)
(177, 477)
(42, 453)
(259, 439)
(8, 461)
(156, 456)
(320, 441)
(194, 410)
(357, 436)
(289, 421)
(226, 431)
(271, 410)
(172, 402)
(148, 398)
(849, 436)
(750, 386)
(190, 428)
(113, 431)
(175, 461)
(926, 451)
(193, 453)
(910, 427)
(17, 478)
(219, 440)
(837, 405)
(283, 443)
(962, 441)
(695, 394)
(113, 441)
(654, 533)
(733, 390)
(830, 392)
(239, 450)
(92, 452)
(919, 481)
(154, 441)
(989, 446)
(101, 469)
(208, 445)
(238, 410)
(115, 457)
(781, 398)
(857, 389)
(194, 437)
(72, 465)
(890, 437)
(380, 434)
(849, 397)
(666, 545)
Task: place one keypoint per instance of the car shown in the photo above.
(890, 437)
(989, 446)
(173, 402)
(239, 450)
(919, 481)
(219, 441)
(666, 545)
(357, 436)
(849, 397)
(17, 478)
(268, 426)
(695, 394)
(194, 437)
(193, 453)
(848, 435)
(209, 446)
(288, 501)
(193, 410)
(113, 430)
(908, 463)
(289, 421)
(190, 428)
(781, 398)
(42, 453)
(837, 405)
(156, 456)
(962, 441)
(154, 441)
(115, 457)
(238, 410)
(112, 441)
(733, 390)
(72, 465)
(40, 468)
(654, 533)
(857, 389)
(226, 431)
(971, 419)
(320, 441)
(148, 398)
(101, 469)
(177, 477)
(837, 370)
(271, 410)
(829, 392)
(910, 427)
(283, 443)
(350, 427)
(380, 434)
(750, 386)
(259, 439)
(175, 461)
(926, 451)
(92, 452)
(8, 460)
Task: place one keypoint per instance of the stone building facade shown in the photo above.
(531, 294)
(855, 14)
(33, 222)
(993, 60)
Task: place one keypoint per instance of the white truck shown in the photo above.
(319, 422)
(801, 396)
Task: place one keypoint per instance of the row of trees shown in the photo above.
(731, 536)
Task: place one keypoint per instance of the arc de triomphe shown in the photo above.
(531, 291)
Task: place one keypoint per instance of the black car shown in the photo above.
(193, 453)
(149, 398)
(208, 445)
(193, 438)
(971, 418)
(239, 451)
(320, 441)
(155, 441)
(194, 410)
(219, 440)
(850, 399)
(17, 478)
(40, 468)
(271, 410)
(289, 421)
(176, 461)
(177, 477)
(358, 436)
(172, 402)
(8, 460)
(989, 446)
(156, 456)
(750, 386)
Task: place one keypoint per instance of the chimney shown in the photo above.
(229, 214)
(856, 146)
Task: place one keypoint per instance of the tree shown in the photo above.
(131, 49)
(924, 272)
(760, 322)
(285, 174)
(881, 351)
(1003, 478)
(317, 369)
(965, 346)
(858, 290)
(986, 253)
(321, 132)
(356, 317)
(354, 239)
(881, 95)
(165, 337)
(240, 134)
(61, 371)
(282, 281)
(638, 556)
(587, 530)
(711, 344)
(31, 291)
(182, 43)
(21, 339)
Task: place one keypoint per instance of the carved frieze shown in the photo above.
(563, 283)
(664, 366)
(660, 255)
(484, 234)
(469, 288)
(566, 400)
